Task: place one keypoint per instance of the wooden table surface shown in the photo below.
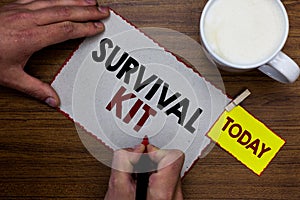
(42, 157)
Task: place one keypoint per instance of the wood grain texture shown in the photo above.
(42, 157)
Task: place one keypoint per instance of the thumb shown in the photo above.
(165, 158)
(125, 159)
(23, 82)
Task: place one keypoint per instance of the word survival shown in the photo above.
(126, 66)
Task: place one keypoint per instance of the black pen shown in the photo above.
(142, 181)
(145, 165)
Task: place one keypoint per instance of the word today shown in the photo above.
(244, 138)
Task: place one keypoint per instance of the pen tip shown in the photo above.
(145, 141)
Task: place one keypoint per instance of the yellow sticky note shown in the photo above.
(246, 138)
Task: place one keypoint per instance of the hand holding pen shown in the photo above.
(164, 183)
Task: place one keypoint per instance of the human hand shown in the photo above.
(30, 25)
(164, 184)
(121, 183)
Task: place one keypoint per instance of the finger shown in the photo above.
(155, 153)
(40, 4)
(178, 191)
(9, 6)
(19, 80)
(136, 153)
(70, 13)
(165, 184)
(24, 1)
(125, 159)
(121, 183)
(60, 32)
(164, 157)
(139, 148)
(152, 148)
(169, 159)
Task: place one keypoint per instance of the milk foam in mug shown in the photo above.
(246, 34)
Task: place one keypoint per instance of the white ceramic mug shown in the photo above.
(234, 33)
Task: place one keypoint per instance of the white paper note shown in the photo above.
(167, 101)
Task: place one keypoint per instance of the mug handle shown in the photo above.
(282, 68)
